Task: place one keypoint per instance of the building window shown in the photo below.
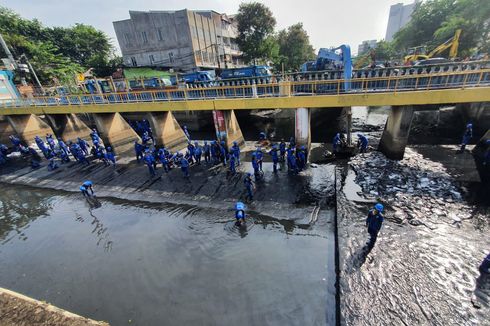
(144, 37)
(152, 58)
(133, 61)
(171, 57)
(126, 38)
(160, 35)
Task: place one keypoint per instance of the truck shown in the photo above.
(246, 72)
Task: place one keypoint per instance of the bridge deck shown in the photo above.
(443, 88)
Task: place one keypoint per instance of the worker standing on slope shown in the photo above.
(362, 143)
(468, 134)
(373, 222)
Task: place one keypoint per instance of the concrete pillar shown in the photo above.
(27, 126)
(227, 128)
(5, 131)
(395, 134)
(69, 127)
(479, 153)
(114, 130)
(166, 130)
(348, 112)
(302, 130)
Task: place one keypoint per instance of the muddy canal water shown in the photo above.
(154, 264)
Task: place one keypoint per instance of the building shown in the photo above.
(399, 17)
(184, 40)
(366, 46)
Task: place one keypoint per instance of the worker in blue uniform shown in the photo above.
(232, 162)
(149, 161)
(259, 156)
(282, 150)
(186, 132)
(84, 191)
(262, 136)
(223, 153)
(362, 143)
(138, 150)
(336, 143)
(239, 213)
(197, 153)
(15, 141)
(52, 165)
(81, 158)
(215, 152)
(109, 155)
(190, 149)
(207, 152)
(94, 135)
(235, 151)
(255, 166)
(184, 166)
(275, 157)
(249, 185)
(468, 134)
(301, 158)
(83, 145)
(63, 146)
(162, 157)
(374, 222)
(89, 186)
(292, 164)
(292, 143)
(50, 141)
(41, 145)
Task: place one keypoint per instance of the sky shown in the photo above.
(327, 22)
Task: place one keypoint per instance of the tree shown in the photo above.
(435, 21)
(57, 53)
(294, 47)
(255, 28)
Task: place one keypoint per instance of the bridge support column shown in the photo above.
(27, 126)
(69, 127)
(227, 127)
(166, 130)
(5, 131)
(479, 155)
(302, 130)
(397, 129)
(114, 130)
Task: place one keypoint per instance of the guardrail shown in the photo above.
(476, 78)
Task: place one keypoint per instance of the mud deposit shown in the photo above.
(423, 269)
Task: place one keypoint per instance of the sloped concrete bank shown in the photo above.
(19, 310)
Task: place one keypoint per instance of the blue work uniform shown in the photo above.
(197, 153)
(336, 143)
(374, 222)
(149, 160)
(282, 150)
(275, 157)
(260, 157)
(207, 152)
(184, 166)
(235, 149)
(232, 164)
(362, 143)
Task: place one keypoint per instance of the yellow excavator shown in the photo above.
(419, 52)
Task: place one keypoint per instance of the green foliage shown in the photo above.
(435, 21)
(255, 28)
(57, 53)
(294, 47)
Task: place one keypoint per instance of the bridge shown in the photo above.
(405, 93)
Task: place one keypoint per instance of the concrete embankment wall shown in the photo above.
(17, 309)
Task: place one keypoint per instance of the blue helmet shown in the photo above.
(379, 207)
(239, 206)
(249, 174)
(82, 188)
(239, 213)
(108, 148)
(195, 143)
(235, 143)
(469, 125)
(359, 135)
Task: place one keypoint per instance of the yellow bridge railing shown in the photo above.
(334, 87)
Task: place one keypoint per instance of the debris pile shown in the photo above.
(414, 187)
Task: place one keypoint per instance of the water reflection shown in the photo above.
(19, 208)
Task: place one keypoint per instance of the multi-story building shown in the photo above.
(399, 16)
(366, 46)
(184, 40)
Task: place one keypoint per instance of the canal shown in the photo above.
(141, 264)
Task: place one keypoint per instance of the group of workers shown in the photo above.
(339, 143)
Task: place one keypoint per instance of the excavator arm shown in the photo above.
(452, 43)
